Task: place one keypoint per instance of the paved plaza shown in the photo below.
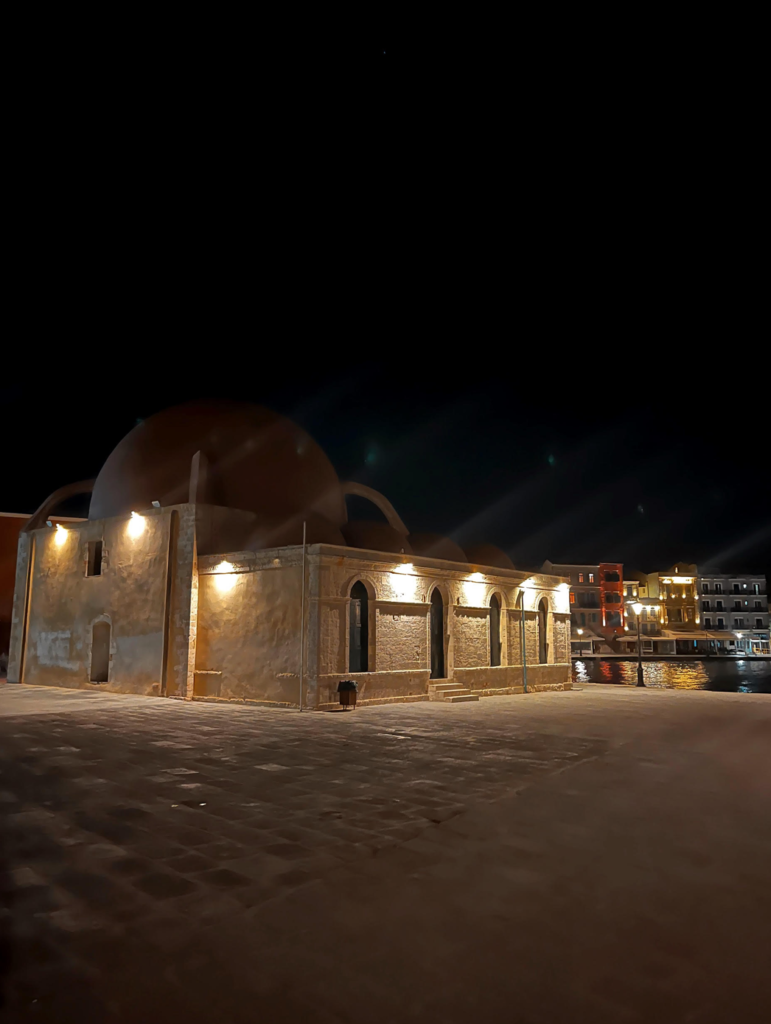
(595, 855)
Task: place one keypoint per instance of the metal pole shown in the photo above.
(640, 681)
(524, 652)
(302, 624)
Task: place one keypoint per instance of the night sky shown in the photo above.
(579, 464)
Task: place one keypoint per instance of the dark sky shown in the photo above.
(545, 451)
(528, 310)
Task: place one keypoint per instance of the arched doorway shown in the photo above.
(437, 635)
(543, 646)
(100, 652)
(495, 630)
(358, 637)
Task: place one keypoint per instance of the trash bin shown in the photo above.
(346, 691)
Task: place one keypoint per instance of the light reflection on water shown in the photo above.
(741, 676)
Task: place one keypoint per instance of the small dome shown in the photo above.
(489, 554)
(375, 537)
(257, 461)
(433, 545)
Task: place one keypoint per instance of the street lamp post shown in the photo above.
(637, 608)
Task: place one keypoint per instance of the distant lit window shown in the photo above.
(591, 577)
(572, 597)
(580, 577)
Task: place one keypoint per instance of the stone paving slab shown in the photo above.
(162, 858)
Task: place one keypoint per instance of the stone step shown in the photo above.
(458, 698)
(445, 687)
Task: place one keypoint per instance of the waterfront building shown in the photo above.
(218, 562)
(596, 597)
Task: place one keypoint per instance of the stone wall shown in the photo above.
(64, 604)
(471, 636)
(402, 636)
(248, 644)
(228, 627)
(376, 687)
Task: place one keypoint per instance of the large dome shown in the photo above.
(257, 461)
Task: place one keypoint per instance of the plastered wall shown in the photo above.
(130, 594)
(248, 638)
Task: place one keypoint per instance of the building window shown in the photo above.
(543, 644)
(583, 618)
(708, 622)
(591, 577)
(94, 562)
(675, 615)
(738, 623)
(437, 634)
(758, 623)
(612, 577)
(705, 588)
(572, 597)
(737, 589)
(580, 577)
(495, 631)
(758, 606)
(614, 619)
(720, 623)
(718, 588)
(613, 599)
(737, 606)
(755, 588)
(718, 606)
(594, 617)
(358, 654)
(705, 606)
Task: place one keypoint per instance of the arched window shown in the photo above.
(358, 638)
(100, 652)
(543, 646)
(437, 635)
(495, 630)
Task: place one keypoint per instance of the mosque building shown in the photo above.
(218, 563)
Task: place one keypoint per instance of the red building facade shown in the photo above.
(611, 581)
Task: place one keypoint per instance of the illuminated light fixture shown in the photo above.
(404, 582)
(580, 632)
(136, 525)
(225, 578)
(49, 523)
(61, 534)
(477, 577)
(156, 504)
(626, 629)
(637, 608)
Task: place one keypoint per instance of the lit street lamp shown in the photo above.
(637, 609)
